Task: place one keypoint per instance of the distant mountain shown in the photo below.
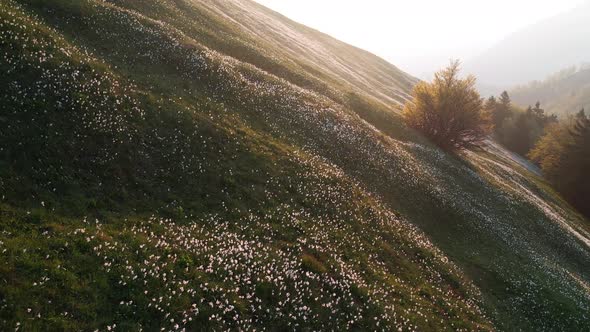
(211, 165)
(564, 93)
(536, 51)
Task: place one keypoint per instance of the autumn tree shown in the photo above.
(550, 149)
(449, 110)
(564, 156)
(574, 179)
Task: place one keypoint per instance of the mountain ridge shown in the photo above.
(564, 93)
(536, 51)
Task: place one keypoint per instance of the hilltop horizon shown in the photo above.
(427, 52)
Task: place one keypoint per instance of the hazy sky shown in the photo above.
(420, 35)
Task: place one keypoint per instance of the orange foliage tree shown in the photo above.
(449, 110)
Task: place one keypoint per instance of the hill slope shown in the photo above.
(564, 93)
(536, 51)
(211, 164)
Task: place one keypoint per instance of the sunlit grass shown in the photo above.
(149, 180)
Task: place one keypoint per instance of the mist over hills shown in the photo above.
(564, 93)
(535, 52)
(213, 165)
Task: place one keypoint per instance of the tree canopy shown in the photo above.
(564, 156)
(449, 110)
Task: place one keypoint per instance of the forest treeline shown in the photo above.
(517, 129)
(561, 147)
(450, 112)
(563, 153)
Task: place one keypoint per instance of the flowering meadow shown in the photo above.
(209, 165)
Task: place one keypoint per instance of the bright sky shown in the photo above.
(419, 36)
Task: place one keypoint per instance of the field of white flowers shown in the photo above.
(175, 165)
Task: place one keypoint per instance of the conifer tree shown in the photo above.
(502, 110)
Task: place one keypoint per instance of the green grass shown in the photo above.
(276, 190)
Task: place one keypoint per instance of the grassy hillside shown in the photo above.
(564, 93)
(212, 165)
